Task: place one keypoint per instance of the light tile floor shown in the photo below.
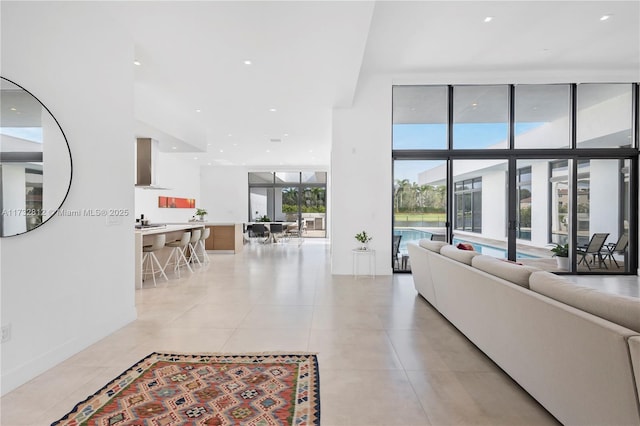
(386, 356)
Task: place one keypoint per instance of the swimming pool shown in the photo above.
(493, 251)
(410, 234)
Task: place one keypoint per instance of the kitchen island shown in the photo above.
(144, 237)
(224, 237)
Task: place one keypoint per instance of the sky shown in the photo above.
(434, 136)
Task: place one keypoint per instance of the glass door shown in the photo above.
(603, 225)
(419, 206)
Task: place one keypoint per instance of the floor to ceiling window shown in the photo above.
(522, 168)
(290, 197)
(468, 205)
(419, 211)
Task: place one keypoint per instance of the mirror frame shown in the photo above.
(66, 141)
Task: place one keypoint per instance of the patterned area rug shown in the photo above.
(207, 389)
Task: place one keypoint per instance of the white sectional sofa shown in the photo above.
(574, 349)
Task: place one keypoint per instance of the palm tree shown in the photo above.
(402, 192)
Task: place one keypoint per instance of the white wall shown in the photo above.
(182, 176)
(539, 204)
(494, 205)
(604, 200)
(70, 283)
(361, 190)
(224, 193)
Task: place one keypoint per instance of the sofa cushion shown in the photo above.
(432, 245)
(622, 310)
(512, 272)
(463, 256)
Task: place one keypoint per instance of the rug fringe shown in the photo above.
(234, 353)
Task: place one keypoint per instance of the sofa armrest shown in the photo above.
(634, 350)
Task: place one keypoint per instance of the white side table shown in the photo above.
(370, 255)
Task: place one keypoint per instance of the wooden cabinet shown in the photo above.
(225, 238)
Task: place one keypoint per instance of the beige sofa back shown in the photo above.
(512, 272)
(619, 309)
(575, 364)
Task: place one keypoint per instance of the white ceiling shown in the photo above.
(307, 58)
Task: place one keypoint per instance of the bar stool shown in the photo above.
(150, 260)
(203, 250)
(177, 254)
(193, 244)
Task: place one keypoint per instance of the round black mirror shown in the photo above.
(35, 161)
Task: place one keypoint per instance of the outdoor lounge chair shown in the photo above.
(619, 247)
(594, 248)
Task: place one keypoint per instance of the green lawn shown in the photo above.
(417, 217)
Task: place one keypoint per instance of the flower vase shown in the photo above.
(364, 246)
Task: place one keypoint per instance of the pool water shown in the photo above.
(493, 251)
(409, 234)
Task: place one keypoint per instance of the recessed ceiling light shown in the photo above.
(195, 158)
(272, 109)
(174, 147)
(474, 104)
(208, 164)
(208, 144)
(286, 134)
(13, 109)
(488, 19)
(235, 144)
(605, 17)
(268, 150)
(222, 150)
(310, 150)
(136, 62)
(229, 135)
(247, 62)
(198, 110)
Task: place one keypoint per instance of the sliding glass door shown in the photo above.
(419, 206)
(520, 170)
(294, 198)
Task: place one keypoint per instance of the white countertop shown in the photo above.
(197, 222)
(169, 228)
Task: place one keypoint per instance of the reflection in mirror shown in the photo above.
(35, 161)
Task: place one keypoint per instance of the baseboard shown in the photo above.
(32, 368)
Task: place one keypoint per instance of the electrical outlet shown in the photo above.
(6, 333)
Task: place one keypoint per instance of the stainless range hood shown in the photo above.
(146, 164)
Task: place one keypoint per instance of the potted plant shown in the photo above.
(201, 213)
(561, 253)
(363, 238)
(264, 218)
